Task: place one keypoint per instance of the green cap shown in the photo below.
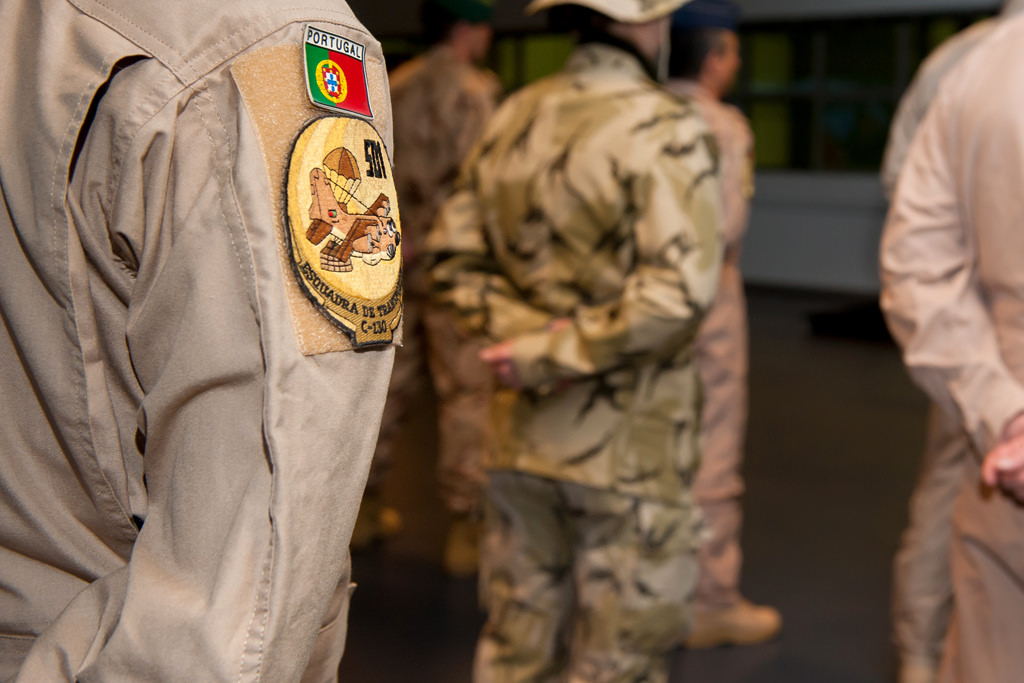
(475, 11)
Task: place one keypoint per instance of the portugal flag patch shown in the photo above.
(335, 77)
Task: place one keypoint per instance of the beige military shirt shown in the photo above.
(953, 286)
(185, 436)
(591, 196)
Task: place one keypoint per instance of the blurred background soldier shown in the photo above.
(704, 62)
(441, 102)
(954, 298)
(584, 243)
(922, 587)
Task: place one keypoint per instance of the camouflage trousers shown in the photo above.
(464, 385)
(581, 584)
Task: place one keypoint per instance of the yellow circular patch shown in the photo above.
(331, 81)
(344, 227)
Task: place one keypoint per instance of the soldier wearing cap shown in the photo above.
(583, 243)
(704, 62)
(441, 101)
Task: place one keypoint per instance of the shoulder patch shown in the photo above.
(344, 228)
(335, 72)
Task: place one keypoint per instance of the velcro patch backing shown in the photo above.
(273, 88)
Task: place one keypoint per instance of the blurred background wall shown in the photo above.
(820, 82)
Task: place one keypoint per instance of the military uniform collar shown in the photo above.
(690, 88)
(606, 55)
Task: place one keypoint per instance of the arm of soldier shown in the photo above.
(736, 146)
(679, 251)
(901, 132)
(913, 107)
(930, 294)
(465, 277)
(245, 437)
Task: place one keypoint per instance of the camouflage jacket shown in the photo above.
(440, 106)
(591, 196)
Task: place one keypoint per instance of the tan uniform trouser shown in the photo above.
(463, 385)
(922, 586)
(406, 377)
(722, 363)
(987, 630)
(987, 627)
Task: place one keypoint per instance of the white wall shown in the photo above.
(815, 231)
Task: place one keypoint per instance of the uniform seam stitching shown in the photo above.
(61, 259)
(268, 563)
(246, 272)
(148, 33)
(131, 137)
(264, 29)
(272, 27)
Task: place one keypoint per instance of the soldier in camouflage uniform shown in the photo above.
(704, 63)
(583, 244)
(441, 102)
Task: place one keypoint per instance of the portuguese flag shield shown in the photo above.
(335, 77)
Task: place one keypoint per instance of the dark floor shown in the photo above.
(835, 432)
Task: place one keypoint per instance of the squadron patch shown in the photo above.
(335, 74)
(344, 228)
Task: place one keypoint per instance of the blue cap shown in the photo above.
(707, 14)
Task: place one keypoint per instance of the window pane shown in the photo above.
(780, 134)
(855, 135)
(859, 55)
(777, 61)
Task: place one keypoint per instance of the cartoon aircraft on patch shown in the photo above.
(371, 235)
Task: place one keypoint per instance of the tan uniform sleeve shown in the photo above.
(736, 142)
(255, 454)
(929, 264)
